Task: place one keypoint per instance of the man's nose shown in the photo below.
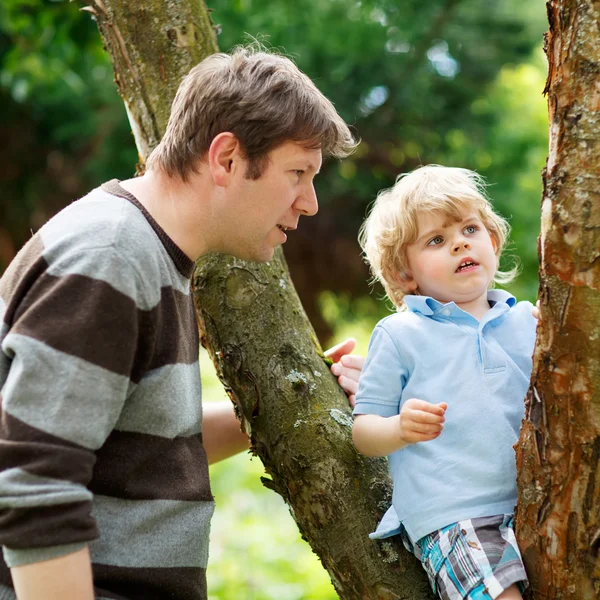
(307, 203)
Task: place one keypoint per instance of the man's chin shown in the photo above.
(264, 255)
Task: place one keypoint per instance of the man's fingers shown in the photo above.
(349, 385)
(356, 362)
(339, 370)
(336, 352)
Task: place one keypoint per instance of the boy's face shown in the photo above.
(264, 208)
(452, 261)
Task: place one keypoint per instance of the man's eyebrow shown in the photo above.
(311, 167)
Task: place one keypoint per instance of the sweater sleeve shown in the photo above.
(69, 348)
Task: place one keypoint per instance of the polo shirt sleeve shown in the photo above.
(383, 377)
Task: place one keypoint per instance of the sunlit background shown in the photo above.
(454, 82)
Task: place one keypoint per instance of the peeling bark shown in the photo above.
(258, 335)
(558, 522)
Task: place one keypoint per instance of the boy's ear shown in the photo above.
(224, 155)
(406, 282)
(409, 285)
(494, 242)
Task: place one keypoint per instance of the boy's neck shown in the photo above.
(477, 307)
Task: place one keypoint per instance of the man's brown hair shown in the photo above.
(262, 98)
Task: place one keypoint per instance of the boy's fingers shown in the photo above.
(428, 407)
(427, 429)
(420, 416)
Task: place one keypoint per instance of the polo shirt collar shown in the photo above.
(429, 306)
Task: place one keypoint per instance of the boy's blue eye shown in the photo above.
(438, 239)
(471, 229)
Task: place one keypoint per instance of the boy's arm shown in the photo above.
(68, 576)
(418, 421)
(377, 436)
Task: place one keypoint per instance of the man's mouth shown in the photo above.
(283, 227)
(466, 264)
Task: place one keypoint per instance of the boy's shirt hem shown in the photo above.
(391, 524)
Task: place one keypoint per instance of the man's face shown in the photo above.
(261, 210)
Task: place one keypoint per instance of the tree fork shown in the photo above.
(257, 333)
(558, 523)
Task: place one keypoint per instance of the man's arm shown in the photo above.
(68, 576)
(222, 436)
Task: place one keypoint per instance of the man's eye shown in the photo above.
(438, 239)
(298, 172)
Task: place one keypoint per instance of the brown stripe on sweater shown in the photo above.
(177, 583)
(21, 274)
(44, 526)
(108, 324)
(139, 466)
(41, 453)
(176, 337)
(5, 578)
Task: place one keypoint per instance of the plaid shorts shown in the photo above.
(475, 559)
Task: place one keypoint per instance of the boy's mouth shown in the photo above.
(466, 264)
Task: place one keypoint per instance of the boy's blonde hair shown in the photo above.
(262, 98)
(392, 223)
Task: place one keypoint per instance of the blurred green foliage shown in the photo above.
(454, 82)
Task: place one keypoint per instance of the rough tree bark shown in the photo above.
(259, 338)
(558, 521)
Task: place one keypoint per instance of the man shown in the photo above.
(104, 452)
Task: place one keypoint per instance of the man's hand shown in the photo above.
(346, 367)
(421, 421)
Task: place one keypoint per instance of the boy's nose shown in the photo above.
(458, 246)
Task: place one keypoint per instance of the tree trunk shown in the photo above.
(258, 335)
(558, 521)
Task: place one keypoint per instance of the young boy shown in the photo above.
(442, 391)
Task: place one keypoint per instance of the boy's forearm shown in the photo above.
(68, 576)
(377, 436)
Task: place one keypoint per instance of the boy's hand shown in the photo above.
(535, 311)
(421, 421)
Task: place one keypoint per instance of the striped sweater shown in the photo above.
(101, 419)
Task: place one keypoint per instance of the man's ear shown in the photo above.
(224, 154)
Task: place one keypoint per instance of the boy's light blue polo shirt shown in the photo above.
(481, 369)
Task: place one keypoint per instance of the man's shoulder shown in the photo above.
(101, 236)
